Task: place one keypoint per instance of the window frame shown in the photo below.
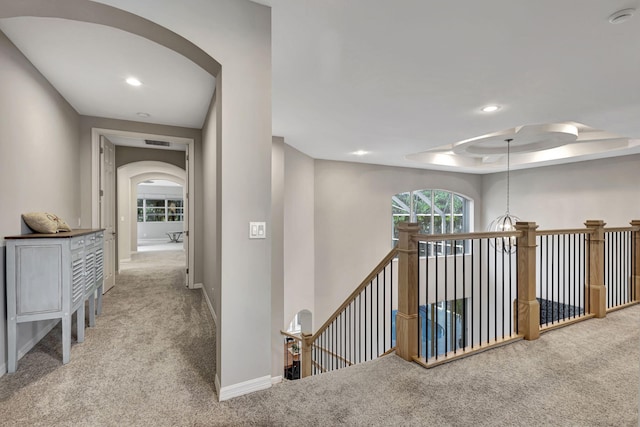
(159, 211)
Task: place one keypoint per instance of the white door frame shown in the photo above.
(95, 182)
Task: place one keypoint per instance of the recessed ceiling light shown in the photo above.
(360, 153)
(145, 115)
(490, 108)
(133, 81)
(621, 16)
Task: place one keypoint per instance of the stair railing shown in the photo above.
(361, 329)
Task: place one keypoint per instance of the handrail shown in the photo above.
(287, 334)
(331, 353)
(565, 231)
(381, 266)
(620, 229)
(464, 236)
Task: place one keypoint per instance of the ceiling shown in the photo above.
(89, 63)
(403, 81)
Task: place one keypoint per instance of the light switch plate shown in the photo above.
(257, 230)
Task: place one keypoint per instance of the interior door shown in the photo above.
(108, 209)
(185, 219)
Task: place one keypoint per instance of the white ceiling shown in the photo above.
(403, 80)
(397, 78)
(89, 63)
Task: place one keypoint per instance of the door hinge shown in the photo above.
(187, 270)
(187, 195)
(186, 233)
(101, 193)
(187, 157)
(101, 150)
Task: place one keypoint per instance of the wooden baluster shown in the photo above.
(596, 289)
(528, 305)
(407, 315)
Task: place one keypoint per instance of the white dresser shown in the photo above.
(50, 276)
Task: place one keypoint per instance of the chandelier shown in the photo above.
(506, 222)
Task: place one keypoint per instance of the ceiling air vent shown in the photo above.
(154, 142)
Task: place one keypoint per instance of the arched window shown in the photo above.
(437, 212)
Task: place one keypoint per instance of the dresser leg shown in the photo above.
(12, 340)
(66, 338)
(80, 322)
(92, 310)
(99, 304)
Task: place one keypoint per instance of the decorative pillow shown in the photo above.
(43, 222)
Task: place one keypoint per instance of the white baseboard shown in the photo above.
(246, 387)
(213, 312)
(197, 286)
(30, 344)
(276, 380)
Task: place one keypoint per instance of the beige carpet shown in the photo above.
(150, 362)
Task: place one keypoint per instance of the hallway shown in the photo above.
(149, 360)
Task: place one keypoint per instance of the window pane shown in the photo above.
(174, 210)
(436, 212)
(140, 215)
(422, 208)
(140, 203)
(397, 219)
(155, 203)
(401, 203)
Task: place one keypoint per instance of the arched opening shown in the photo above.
(130, 176)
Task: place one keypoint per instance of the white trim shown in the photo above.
(213, 312)
(276, 380)
(95, 181)
(245, 387)
(216, 383)
(197, 286)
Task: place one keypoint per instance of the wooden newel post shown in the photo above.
(635, 266)
(528, 305)
(595, 286)
(305, 363)
(407, 315)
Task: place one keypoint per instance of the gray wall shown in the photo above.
(39, 160)
(353, 221)
(211, 271)
(278, 294)
(238, 35)
(126, 155)
(298, 233)
(564, 196)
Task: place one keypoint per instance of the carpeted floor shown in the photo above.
(150, 362)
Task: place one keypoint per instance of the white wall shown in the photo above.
(353, 221)
(565, 196)
(39, 162)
